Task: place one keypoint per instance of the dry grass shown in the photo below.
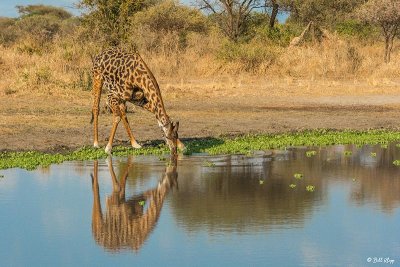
(334, 67)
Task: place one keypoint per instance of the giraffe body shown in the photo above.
(128, 79)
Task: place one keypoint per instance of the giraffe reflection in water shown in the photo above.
(128, 222)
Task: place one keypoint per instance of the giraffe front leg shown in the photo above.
(134, 143)
(116, 120)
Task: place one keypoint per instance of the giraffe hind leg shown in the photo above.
(96, 91)
(113, 103)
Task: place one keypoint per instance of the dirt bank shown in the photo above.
(57, 121)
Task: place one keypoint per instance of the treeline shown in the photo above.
(221, 36)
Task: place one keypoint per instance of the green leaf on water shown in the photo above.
(261, 182)
(348, 153)
(292, 185)
(208, 164)
(298, 176)
(310, 188)
(311, 153)
(373, 154)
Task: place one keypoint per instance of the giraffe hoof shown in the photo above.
(136, 145)
(96, 145)
(108, 149)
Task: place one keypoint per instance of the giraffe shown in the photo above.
(128, 79)
(128, 222)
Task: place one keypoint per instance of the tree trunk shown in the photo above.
(387, 49)
(275, 9)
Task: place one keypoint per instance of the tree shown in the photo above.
(385, 14)
(231, 15)
(42, 10)
(326, 13)
(110, 18)
(276, 6)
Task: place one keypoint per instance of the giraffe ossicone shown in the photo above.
(128, 79)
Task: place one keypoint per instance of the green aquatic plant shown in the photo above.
(311, 153)
(292, 185)
(310, 188)
(208, 164)
(373, 154)
(348, 153)
(224, 145)
(298, 176)
(396, 162)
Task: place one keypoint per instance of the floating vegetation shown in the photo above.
(208, 164)
(298, 176)
(310, 188)
(142, 202)
(348, 153)
(292, 185)
(224, 145)
(261, 182)
(373, 154)
(396, 162)
(311, 153)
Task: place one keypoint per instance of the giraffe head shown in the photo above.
(171, 136)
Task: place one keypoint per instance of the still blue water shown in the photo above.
(208, 211)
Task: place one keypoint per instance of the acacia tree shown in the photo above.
(111, 18)
(231, 15)
(386, 14)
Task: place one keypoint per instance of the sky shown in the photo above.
(7, 7)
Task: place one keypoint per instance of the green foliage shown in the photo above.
(208, 164)
(170, 16)
(311, 153)
(109, 21)
(348, 153)
(310, 188)
(396, 162)
(251, 56)
(298, 176)
(325, 13)
(292, 186)
(36, 28)
(43, 10)
(243, 144)
(7, 31)
(354, 28)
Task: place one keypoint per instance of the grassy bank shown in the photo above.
(238, 145)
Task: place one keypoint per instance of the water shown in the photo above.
(207, 211)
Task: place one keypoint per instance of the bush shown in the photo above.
(353, 28)
(168, 18)
(254, 56)
(7, 31)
